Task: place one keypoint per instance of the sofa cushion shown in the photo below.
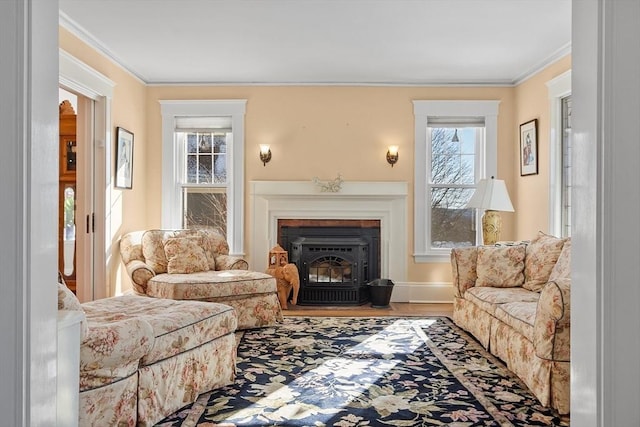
(519, 315)
(211, 284)
(562, 269)
(500, 267)
(541, 255)
(177, 326)
(489, 298)
(214, 245)
(67, 300)
(153, 247)
(185, 255)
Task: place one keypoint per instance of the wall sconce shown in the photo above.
(392, 155)
(265, 154)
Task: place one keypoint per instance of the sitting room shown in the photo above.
(321, 213)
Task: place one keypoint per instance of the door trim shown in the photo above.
(84, 80)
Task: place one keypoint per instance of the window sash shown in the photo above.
(429, 113)
(204, 207)
(215, 159)
(467, 230)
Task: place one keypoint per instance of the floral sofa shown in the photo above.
(142, 358)
(196, 265)
(515, 299)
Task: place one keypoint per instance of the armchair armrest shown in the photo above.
(140, 274)
(113, 350)
(133, 259)
(229, 262)
(552, 327)
(463, 268)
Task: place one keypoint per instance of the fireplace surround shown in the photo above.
(385, 202)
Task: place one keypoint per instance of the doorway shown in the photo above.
(67, 188)
(75, 194)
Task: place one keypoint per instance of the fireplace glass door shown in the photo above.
(330, 269)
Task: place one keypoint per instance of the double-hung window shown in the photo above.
(565, 177)
(455, 147)
(203, 167)
(560, 182)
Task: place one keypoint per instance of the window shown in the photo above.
(455, 146)
(455, 163)
(565, 179)
(202, 169)
(203, 160)
(560, 155)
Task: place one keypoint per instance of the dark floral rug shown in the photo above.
(349, 372)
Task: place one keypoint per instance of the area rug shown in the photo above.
(383, 371)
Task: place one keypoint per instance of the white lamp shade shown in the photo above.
(491, 194)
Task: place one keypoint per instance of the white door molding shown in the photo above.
(94, 172)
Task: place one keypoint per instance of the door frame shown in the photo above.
(78, 77)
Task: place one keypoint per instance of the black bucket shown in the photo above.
(380, 292)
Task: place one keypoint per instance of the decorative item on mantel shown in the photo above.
(330, 186)
(286, 274)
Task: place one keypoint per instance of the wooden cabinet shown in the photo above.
(67, 196)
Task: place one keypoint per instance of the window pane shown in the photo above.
(219, 143)
(220, 172)
(451, 224)
(192, 143)
(204, 144)
(453, 162)
(205, 209)
(204, 169)
(192, 169)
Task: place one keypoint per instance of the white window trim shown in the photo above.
(422, 110)
(171, 189)
(557, 88)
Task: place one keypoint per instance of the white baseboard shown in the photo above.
(422, 292)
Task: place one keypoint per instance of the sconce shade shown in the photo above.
(491, 194)
(392, 155)
(265, 154)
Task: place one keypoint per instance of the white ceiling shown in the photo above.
(414, 42)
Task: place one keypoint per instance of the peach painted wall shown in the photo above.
(129, 210)
(325, 130)
(531, 198)
(322, 131)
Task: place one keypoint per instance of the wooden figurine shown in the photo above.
(287, 276)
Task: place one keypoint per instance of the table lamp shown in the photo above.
(491, 195)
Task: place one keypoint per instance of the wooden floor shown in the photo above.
(394, 309)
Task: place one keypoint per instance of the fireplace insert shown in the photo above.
(333, 270)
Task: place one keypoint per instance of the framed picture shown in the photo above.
(124, 158)
(529, 148)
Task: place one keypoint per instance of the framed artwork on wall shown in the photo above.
(124, 158)
(529, 148)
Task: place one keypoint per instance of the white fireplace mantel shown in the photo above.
(384, 201)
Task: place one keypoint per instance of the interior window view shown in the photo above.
(261, 222)
(204, 184)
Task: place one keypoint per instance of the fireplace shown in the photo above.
(271, 202)
(335, 258)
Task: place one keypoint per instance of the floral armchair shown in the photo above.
(196, 265)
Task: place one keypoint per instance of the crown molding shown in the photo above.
(86, 37)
